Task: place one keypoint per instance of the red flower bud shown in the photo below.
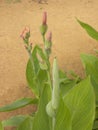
(44, 21)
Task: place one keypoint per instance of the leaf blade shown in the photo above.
(89, 29)
(27, 124)
(90, 63)
(41, 120)
(81, 102)
(63, 117)
(14, 121)
(18, 104)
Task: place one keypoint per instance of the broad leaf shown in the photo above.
(30, 72)
(63, 118)
(41, 120)
(62, 76)
(27, 124)
(66, 83)
(97, 104)
(90, 30)
(95, 125)
(18, 104)
(14, 121)
(42, 79)
(90, 63)
(31, 76)
(66, 86)
(80, 100)
(96, 113)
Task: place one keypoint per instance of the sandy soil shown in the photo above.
(69, 40)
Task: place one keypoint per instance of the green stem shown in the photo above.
(31, 59)
(47, 57)
(43, 39)
(53, 123)
(49, 79)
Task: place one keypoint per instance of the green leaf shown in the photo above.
(96, 117)
(66, 86)
(1, 126)
(74, 76)
(30, 72)
(97, 104)
(80, 100)
(14, 121)
(63, 117)
(95, 125)
(43, 66)
(90, 30)
(41, 120)
(62, 76)
(42, 79)
(27, 124)
(90, 63)
(31, 78)
(18, 104)
(66, 83)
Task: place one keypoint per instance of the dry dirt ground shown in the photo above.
(69, 40)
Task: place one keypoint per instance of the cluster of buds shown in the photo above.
(25, 35)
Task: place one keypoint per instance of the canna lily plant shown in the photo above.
(63, 103)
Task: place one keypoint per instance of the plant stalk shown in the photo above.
(53, 123)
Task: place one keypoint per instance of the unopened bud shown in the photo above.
(43, 27)
(25, 35)
(44, 20)
(24, 32)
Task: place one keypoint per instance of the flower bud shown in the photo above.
(25, 35)
(43, 27)
(44, 20)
